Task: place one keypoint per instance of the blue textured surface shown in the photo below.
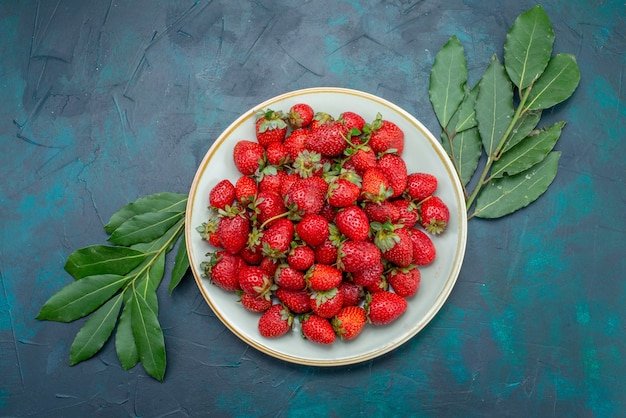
(104, 102)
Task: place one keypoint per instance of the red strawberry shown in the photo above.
(382, 212)
(223, 269)
(252, 255)
(248, 156)
(329, 140)
(375, 186)
(352, 120)
(379, 284)
(269, 265)
(312, 229)
(408, 214)
(301, 257)
(352, 293)
(276, 240)
(326, 252)
(394, 168)
(270, 127)
(342, 193)
(353, 223)
(328, 212)
(222, 194)
(306, 196)
(208, 231)
(296, 142)
(362, 157)
(384, 307)
(394, 243)
(420, 185)
(317, 329)
(268, 206)
(308, 164)
(424, 251)
(323, 277)
(369, 276)
(349, 322)
(327, 303)
(254, 280)
(386, 137)
(434, 215)
(254, 304)
(321, 119)
(355, 256)
(277, 154)
(276, 321)
(233, 230)
(289, 278)
(298, 301)
(404, 282)
(300, 115)
(245, 189)
(272, 180)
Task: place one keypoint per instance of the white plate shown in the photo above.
(422, 152)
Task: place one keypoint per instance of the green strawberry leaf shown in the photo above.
(448, 77)
(103, 259)
(124, 341)
(181, 265)
(532, 150)
(96, 331)
(507, 194)
(556, 84)
(494, 105)
(144, 227)
(528, 47)
(159, 202)
(81, 297)
(523, 127)
(148, 336)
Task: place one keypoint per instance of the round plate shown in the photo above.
(422, 153)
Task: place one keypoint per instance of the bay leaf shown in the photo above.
(448, 77)
(125, 346)
(164, 242)
(148, 337)
(507, 194)
(528, 152)
(96, 331)
(528, 46)
(494, 105)
(523, 127)
(103, 259)
(144, 227)
(158, 202)
(557, 83)
(81, 297)
(465, 152)
(466, 115)
(181, 265)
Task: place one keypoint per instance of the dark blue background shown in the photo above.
(107, 101)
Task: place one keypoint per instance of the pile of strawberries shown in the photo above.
(324, 225)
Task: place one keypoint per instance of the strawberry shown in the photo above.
(384, 307)
(329, 140)
(326, 303)
(317, 329)
(382, 212)
(301, 257)
(271, 180)
(326, 252)
(356, 256)
(300, 115)
(267, 207)
(222, 194)
(245, 189)
(434, 215)
(276, 240)
(404, 282)
(424, 251)
(375, 186)
(394, 243)
(308, 164)
(270, 127)
(233, 230)
(306, 196)
(349, 322)
(276, 321)
(408, 214)
(361, 157)
(269, 265)
(353, 223)
(254, 304)
(321, 119)
(248, 156)
(223, 269)
(313, 229)
(208, 231)
(352, 120)
(352, 293)
(420, 185)
(368, 276)
(323, 277)
(386, 137)
(277, 154)
(254, 280)
(394, 168)
(298, 301)
(342, 193)
(296, 142)
(379, 284)
(287, 277)
(252, 255)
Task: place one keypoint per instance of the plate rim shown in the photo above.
(440, 299)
